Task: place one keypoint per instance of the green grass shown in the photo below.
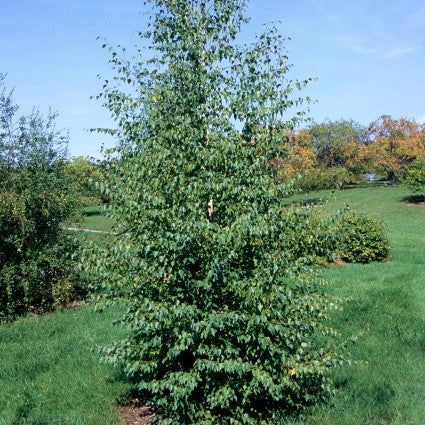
(50, 373)
(49, 368)
(100, 239)
(390, 299)
(95, 218)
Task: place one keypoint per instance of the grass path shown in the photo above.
(95, 218)
(81, 229)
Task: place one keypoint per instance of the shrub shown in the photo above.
(415, 176)
(309, 236)
(313, 238)
(35, 198)
(83, 174)
(326, 178)
(361, 239)
(40, 281)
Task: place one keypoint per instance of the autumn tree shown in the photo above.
(328, 154)
(396, 145)
(298, 158)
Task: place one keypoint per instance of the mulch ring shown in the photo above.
(136, 412)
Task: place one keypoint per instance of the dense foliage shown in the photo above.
(415, 176)
(334, 142)
(35, 198)
(361, 239)
(313, 237)
(84, 175)
(330, 154)
(396, 145)
(225, 325)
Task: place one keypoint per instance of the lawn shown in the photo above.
(94, 218)
(49, 373)
(390, 299)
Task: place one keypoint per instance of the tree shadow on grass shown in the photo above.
(362, 184)
(134, 406)
(92, 213)
(414, 199)
(305, 202)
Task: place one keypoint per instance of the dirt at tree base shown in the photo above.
(421, 203)
(340, 262)
(415, 200)
(137, 412)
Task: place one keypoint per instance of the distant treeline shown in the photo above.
(337, 153)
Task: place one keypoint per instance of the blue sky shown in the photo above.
(368, 56)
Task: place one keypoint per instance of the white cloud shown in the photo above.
(378, 49)
(421, 120)
(401, 50)
(356, 45)
(367, 31)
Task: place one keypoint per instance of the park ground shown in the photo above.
(50, 372)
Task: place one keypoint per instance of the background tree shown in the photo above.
(223, 321)
(299, 158)
(328, 154)
(84, 174)
(35, 198)
(334, 142)
(396, 145)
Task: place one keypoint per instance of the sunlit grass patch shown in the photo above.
(50, 373)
